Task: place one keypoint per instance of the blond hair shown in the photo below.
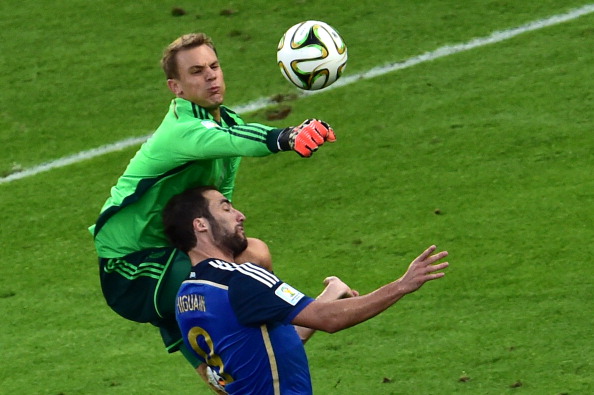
(187, 41)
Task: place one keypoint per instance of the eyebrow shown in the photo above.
(201, 66)
(196, 67)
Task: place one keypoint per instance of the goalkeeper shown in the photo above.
(199, 142)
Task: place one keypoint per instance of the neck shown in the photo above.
(199, 254)
(216, 114)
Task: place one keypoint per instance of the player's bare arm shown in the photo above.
(333, 316)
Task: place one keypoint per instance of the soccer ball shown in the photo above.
(311, 55)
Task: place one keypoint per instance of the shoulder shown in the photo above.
(246, 271)
(222, 271)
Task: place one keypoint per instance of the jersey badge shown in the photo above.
(209, 124)
(288, 294)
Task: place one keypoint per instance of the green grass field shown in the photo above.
(487, 153)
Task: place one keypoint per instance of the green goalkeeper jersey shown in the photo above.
(188, 149)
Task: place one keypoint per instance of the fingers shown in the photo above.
(311, 134)
(433, 276)
(426, 253)
(427, 265)
(432, 272)
(428, 258)
(331, 136)
(335, 289)
(436, 257)
(330, 278)
(316, 135)
(439, 266)
(316, 130)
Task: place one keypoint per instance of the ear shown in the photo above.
(174, 86)
(200, 225)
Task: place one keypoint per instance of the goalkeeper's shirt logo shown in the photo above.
(209, 124)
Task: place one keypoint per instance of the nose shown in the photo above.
(240, 216)
(210, 74)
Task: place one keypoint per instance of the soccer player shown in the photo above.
(199, 142)
(239, 319)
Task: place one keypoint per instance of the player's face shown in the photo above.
(200, 77)
(227, 227)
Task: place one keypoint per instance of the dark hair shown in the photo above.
(187, 41)
(179, 215)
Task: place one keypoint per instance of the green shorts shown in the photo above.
(142, 287)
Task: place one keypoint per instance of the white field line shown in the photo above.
(258, 104)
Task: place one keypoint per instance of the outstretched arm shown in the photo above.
(333, 316)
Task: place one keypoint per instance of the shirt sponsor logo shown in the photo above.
(288, 294)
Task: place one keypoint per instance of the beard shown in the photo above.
(234, 242)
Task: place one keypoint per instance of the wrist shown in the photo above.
(273, 140)
(286, 139)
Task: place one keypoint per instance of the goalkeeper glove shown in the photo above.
(306, 138)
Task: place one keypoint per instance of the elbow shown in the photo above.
(332, 326)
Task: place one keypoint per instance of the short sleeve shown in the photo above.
(255, 302)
